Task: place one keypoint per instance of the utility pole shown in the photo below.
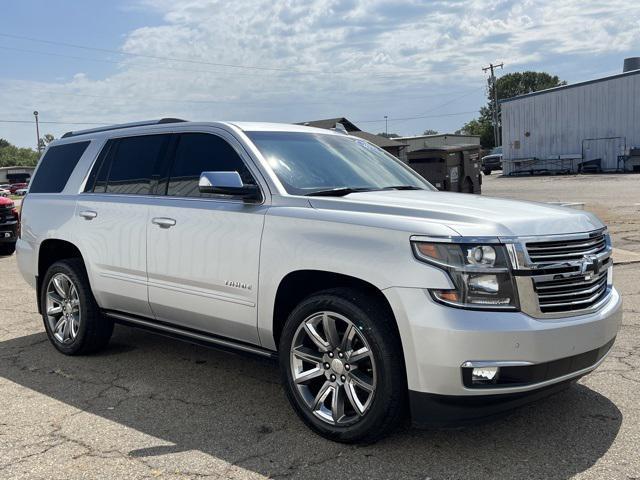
(35, 114)
(494, 98)
(386, 126)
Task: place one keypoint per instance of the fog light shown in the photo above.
(484, 374)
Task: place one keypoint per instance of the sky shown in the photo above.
(82, 63)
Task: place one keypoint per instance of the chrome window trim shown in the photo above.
(245, 157)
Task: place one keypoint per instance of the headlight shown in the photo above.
(479, 272)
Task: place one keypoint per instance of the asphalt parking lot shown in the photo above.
(150, 407)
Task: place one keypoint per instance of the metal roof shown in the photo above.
(329, 123)
(434, 135)
(572, 85)
(378, 140)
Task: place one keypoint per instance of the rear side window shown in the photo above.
(126, 165)
(56, 167)
(202, 152)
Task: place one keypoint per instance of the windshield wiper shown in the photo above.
(402, 187)
(336, 192)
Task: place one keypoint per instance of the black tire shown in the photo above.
(94, 330)
(370, 316)
(486, 171)
(7, 249)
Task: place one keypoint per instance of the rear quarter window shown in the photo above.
(56, 167)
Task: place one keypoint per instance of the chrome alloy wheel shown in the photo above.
(63, 308)
(333, 368)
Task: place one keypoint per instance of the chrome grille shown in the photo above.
(567, 293)
(566, 276)
(566, 250)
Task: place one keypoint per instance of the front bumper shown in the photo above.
(437, 340)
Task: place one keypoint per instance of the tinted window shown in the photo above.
(56, 167)
(133, 164)
(97, 181)
(201, 152)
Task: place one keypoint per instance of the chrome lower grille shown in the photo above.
(574, 292)
(566, 250)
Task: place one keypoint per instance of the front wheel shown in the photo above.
(342, 366)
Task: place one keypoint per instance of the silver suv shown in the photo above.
(381, 297)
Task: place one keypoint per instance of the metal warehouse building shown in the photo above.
(593, 125)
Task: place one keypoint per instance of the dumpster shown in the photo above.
(449, 168)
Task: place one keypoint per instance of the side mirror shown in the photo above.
(227, 183)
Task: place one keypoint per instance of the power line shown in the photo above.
(155, 57)
(417, 118)
(32, 122)
(380, 74)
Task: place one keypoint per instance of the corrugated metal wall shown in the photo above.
(563, 127)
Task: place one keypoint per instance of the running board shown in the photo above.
(189, 335)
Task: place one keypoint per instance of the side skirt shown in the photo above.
(189, 335)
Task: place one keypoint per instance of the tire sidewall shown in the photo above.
(383, 354)
(83, 295)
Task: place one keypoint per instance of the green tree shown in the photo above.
(388, 135)
(10, 155)
(46, 140)
(507, 86)
(429, 131)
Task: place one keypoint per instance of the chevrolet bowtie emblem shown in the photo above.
(590, 263)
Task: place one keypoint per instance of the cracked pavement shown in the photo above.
(152, 407)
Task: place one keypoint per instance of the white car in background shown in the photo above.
(22, 192)
(4, 192)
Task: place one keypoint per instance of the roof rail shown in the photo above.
(123, 125)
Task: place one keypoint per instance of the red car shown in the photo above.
(17, 186)
(9, 226)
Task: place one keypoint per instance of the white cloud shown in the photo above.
(363, 58)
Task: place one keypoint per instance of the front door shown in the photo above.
(203, 249)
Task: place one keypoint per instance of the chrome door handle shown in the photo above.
(88, 214)
(163, 222)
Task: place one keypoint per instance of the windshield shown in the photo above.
(310, 163)
(496, 151)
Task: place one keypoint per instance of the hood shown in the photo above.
(6, 202)
(469, 215)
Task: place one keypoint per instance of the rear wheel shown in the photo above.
(7, 248)
(342, 367)
(486, 171)
(72, 319)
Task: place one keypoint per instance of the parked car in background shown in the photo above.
(493, 161)
(17, 186)
(9, 226)
(4, 192)
(379, 295)
(22, 192)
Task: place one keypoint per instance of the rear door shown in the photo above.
(203, 249)
(112, 217)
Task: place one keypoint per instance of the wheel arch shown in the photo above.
(50, 251)
(300, 284)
